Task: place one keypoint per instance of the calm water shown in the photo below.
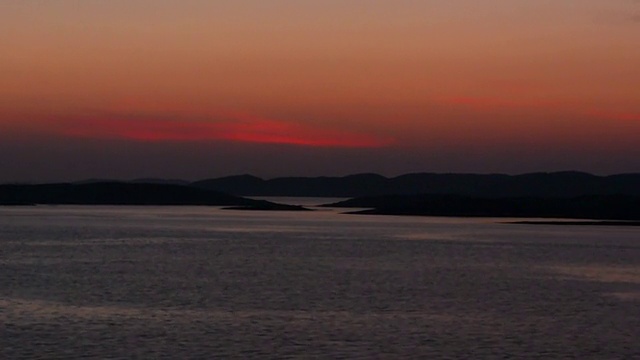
(204, 283)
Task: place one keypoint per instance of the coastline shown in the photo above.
(577, 223)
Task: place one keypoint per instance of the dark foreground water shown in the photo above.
(203, 283)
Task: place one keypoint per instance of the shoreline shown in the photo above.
(577, 223)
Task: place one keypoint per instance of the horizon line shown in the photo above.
(177, 181)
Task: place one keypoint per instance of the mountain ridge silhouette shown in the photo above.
(540, 184)
(124, 193)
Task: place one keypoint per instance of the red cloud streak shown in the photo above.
(621, 116)
(244, 129)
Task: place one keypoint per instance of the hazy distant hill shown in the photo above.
(160, 181)
(609, 207)
(138, 181)
(558, 184)
(347, 186)
(116, 193)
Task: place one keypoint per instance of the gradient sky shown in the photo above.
(198, 88)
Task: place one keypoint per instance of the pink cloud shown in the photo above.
(241, 128)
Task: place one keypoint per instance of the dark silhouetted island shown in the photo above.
(556, 184)
(267, 205)
(600, 207)
(577, 223)
(120, 193)
(547, 195)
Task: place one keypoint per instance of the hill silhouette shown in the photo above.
(556, 184)
(118, 193)
(249, 185)
(601, 207)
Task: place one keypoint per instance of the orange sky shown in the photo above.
(401, 80)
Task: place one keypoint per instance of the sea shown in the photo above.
(140, 282)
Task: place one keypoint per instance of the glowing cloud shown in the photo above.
(241, 128)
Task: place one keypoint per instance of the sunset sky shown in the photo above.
(204, 88)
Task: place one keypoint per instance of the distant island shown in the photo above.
(120, 193)
(554, 184)
(578, 223)
(573, 195)
(540, 184)
(600, 207)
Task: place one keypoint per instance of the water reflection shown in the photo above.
(198, 282)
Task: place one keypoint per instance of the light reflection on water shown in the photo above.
(200, 282)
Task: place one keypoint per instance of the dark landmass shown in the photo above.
(269, 206)
(577, 223)
(605, 207)
(558, 184)
(249, 185)
(161, 181)
(554, 184)
(9, 203)
(136, 181)
(118, 193)
(547, 195)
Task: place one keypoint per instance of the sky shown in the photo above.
(195, 89)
